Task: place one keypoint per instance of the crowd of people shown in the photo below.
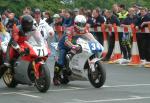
(47, 24)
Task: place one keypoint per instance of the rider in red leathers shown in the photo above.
(19, 35)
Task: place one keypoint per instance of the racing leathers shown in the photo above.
(15, 45)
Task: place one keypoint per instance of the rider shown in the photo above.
(67, 43)
(19, 35)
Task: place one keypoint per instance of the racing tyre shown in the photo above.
(97, 78)
(43, 83)
(9, 79)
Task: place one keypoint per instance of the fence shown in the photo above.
(117, 56)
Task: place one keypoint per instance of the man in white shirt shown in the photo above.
(42, 25)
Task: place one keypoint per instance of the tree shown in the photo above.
(54, 5)
(18, 5)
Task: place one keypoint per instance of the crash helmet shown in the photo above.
(27, 23)
(80, 23)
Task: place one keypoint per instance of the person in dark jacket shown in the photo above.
(110, 20)
(143, 39)
(132, 18)
(12, 20)
(48, 18)
(98, 19)
(68, 20)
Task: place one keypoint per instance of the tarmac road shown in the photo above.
(124, 84)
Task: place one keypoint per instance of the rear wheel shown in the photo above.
(9, 79)
(98, 76)
(43, 83)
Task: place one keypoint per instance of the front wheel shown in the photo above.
(43, 83)
(9, 79)
(98, 76)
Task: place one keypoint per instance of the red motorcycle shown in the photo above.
(30, 68)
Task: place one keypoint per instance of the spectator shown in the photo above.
(110, 20)
(82, 11)
(137, 9)
(57, 25)
(62, 13)
(143, 39)
(12, 20)
(126, 40)
(115, 9)
(42, 26)
(148, 10)
(7, 12)
(4, 37)
(122, 12)
(4, 19)
(27, 11)
(98, 19)
(76, 11)
(89, 18)
(68, 20)
(132, 18)
(48, 18)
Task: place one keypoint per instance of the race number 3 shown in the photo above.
(94, 46)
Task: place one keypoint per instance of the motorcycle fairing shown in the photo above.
(78, 62)
(36, 67)
(21, 72)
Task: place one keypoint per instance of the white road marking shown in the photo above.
(135, 96)
(76, 88)
(78, 100)
(7, 93)
(109, 100)
(28, 95)
(21, 93)
(105, 86)
(59, 90)
(132, 85)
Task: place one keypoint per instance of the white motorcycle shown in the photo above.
(84, 65)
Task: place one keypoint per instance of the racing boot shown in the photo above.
(57, 74)
(64, 79)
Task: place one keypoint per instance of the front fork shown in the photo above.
(92, 63)
(36, 67)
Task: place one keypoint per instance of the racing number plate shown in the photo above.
(94, 46)
(40, 51)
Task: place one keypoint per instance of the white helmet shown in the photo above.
(80, 22)
(80, 18)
